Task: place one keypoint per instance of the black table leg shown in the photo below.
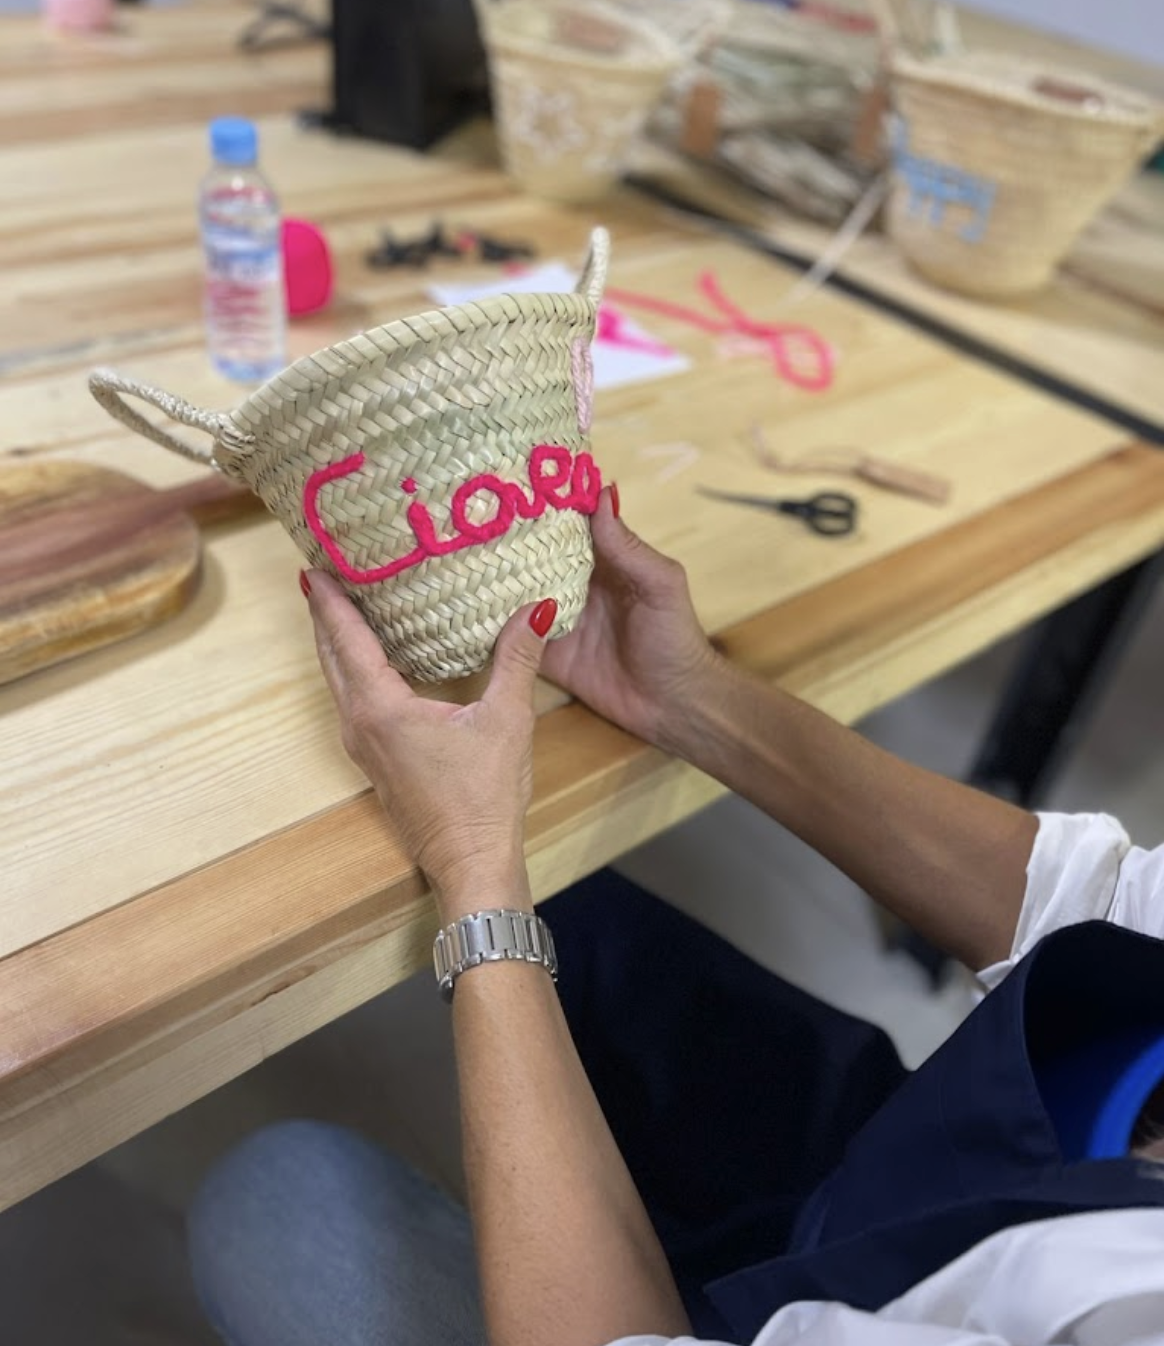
(1063, 668)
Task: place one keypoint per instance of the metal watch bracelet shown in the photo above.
(493, 936)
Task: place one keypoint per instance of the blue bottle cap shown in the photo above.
(233, 140)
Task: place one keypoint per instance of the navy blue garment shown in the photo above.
(780, 1147)
(731, 1094)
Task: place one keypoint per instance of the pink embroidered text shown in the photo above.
(557, 480)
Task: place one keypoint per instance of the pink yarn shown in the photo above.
(308, 275)
(612, 329)
(582, 365)
(798, 354)
(571, 482)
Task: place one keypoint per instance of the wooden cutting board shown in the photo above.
(89, 556)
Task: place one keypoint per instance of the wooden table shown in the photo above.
(193, 874)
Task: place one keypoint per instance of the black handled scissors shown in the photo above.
(831, 513)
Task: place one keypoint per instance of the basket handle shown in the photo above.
(110, 389)
(592, 281)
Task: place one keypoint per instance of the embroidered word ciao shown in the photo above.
(557, 479)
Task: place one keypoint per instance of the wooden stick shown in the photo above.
(884, 472)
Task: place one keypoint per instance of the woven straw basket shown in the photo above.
(572, 87)
(1000, 163)
(438, 466)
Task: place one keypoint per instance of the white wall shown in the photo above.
(1132, 27)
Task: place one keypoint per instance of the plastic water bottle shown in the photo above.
(246, 318)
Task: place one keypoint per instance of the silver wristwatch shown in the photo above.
(491, 937)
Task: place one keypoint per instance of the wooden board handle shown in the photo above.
(211, 499)
(111, 389)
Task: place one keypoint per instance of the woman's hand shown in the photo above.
(638, 652)
(455, 780)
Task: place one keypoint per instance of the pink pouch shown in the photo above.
(79, 15)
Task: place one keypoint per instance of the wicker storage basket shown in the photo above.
(572, 87)
(999, 163)
(438, 466)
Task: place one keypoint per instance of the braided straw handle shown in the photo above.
(592, 281)
(110, 389)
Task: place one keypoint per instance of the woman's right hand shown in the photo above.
(637, 653)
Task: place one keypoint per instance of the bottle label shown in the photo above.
(233, 260)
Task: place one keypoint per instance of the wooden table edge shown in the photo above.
(125, 1018)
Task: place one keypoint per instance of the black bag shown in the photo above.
(407, 71)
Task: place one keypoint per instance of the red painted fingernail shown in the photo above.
(304, 583)
(614, 500)
(542, 617)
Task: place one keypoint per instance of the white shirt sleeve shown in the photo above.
(811, 1324)
(1095, 1279)
(1084, 868)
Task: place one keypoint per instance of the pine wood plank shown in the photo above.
(157, 66)
(217, 731)
(209, 981)
(194, 874)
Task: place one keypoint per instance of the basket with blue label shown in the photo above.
(999, 163)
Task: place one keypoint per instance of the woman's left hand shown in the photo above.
(455, 780)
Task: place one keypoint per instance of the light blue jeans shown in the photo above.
(309, 1235)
